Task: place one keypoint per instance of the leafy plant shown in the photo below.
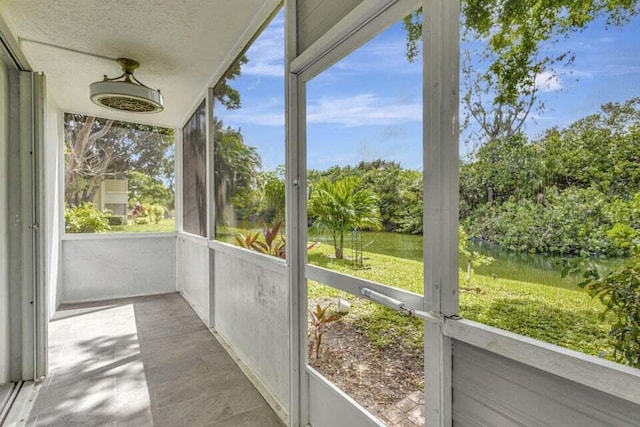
(474, 259)
(273, 242)
(619, 291)
(85, 218)
(320, 318)
(156, 213)
(271, 246)
(247, 240)
(343, 206)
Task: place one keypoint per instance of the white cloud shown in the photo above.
(605, 39)
(387, 56)
(363, 110)
(269, 112)
(266, 55)
(579, 74)
(548, 82)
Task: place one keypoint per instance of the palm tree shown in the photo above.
(236, 168)
(341, 207)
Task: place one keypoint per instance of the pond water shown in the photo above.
(522, 266)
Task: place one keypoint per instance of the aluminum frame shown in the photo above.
(359, 26)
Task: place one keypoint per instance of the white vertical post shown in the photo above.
(295, 177)
(211, 199)
(41, 294)
(441, 128)
(177, 136)
(210, 133)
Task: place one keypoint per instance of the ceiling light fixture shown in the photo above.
(125, 92)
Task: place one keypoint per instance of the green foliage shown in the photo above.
(156, 213)
(564, 317)
(572, 222)
(164, 226)
(142, 220)
(235, 174)
(619, 292)
(500, 79)
(97, 148)
(600, 150)
(272, 188)
(148, 191)
(474, 259)
(575, 191)
(246, 240)
(341, 207)
(223, 92)
(623, 236)
(502, 169)
(398, 190)
(272, 242)
(85, 218)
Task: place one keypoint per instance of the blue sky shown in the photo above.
(368, 105)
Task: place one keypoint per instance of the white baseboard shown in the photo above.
(202, 316)
(148, 294)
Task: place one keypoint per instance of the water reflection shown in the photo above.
(522, 266)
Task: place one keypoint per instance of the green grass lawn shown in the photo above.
(164, 226)
(569, 318)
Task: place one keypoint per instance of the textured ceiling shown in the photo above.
(181, 45)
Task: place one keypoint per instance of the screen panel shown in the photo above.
(194, 174)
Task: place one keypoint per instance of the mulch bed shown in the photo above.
(377, 378)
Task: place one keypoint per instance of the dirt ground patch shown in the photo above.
(377, 378)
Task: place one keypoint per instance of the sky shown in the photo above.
(369, 104)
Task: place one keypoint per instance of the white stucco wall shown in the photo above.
(252, 315)
(193, 274)
(110, 266)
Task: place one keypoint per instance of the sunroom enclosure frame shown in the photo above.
(474, 374)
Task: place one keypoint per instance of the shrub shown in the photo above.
(115, 220)
(156, 213)
(142, 220)
(273, 243)
(572, 222)
(85, 218)
(473, 258)
(619, 291)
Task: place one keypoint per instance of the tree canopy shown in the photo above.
(342, 207)
(499, 88)
(236, 168)
(97, 149)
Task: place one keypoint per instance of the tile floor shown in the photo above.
(142, 362)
